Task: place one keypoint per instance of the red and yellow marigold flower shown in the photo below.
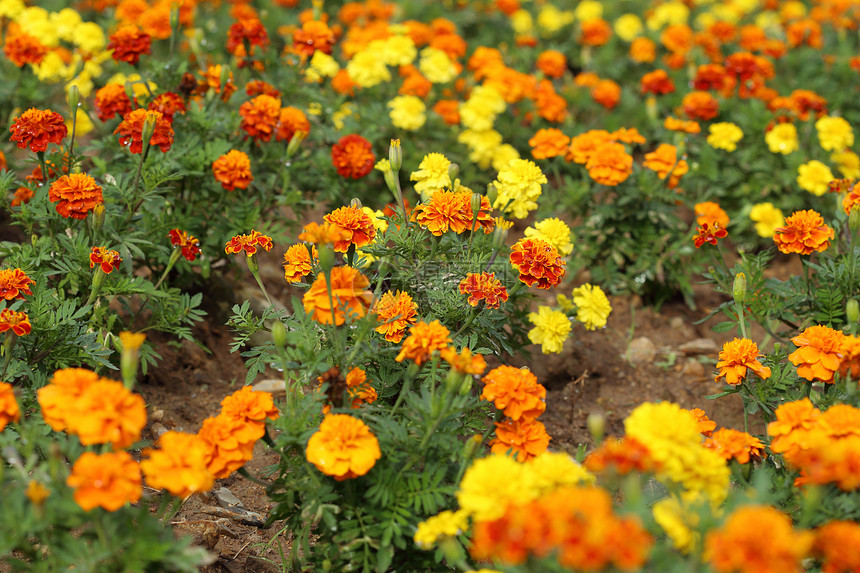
(76, 195)
(657, 82)
(395, 313)
(179, 465)
(36, 128)
(736, 445)
(349, 296)
(709, 233)
(738, 356)
(515, 391)
(818, 354)
(424, 339)
(804, 233)
(538, 263)
(107, 480)
(354, 222)
(107, 259)
(260, 117)
(524, 438)
(129, 43)
(298, 263)
(168, 104)
(312, 36)
(21, 48)
(352, 156)
(233, 170)
(247, 31)
(14, 283)
(343, 447)
(190, 246)
(248, 243)
(17, 322)
(484, 287)
(9, 410)
(131, 130)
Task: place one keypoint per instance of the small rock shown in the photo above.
(193, 354)
(158, 429)
(157, 415)
(641, 350)
(693, 368)
(226, 498)
(271, 385)
(700, 346)
(203, 533)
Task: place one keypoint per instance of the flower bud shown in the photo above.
(130, 355)
(148, 129)
(279, 334)
(98, 217)
(326, 257)
(852, 311)
(253, 265)
(854, 219)
(295, 142)
(453, 171)
(74, 96)
(466, 386)
(596, 426)
(492, 193)
(174, 16)
(471, 446)
(739, 288)
(395, 155)
(390, 182)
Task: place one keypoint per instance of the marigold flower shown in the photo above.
(77, 194)
(850, 365)
(358, 389)
(343, 447)
(349, 295)
(515, 391)
(767, 219)
(525, 439)
(248, 31)
(610, 164)
(665, 162)
(21, 48)
(248, 243)
(108, 480)
(352, 156)
(465, 362)
(584, 145)
(260, 117)
(793, 421)
(724, 135)
(448, 110)
(356, 223)
(592, 306)
(231, 442)
(112, 100)
(709, 233)
(818, 354)
(548, 143)
(737, 546)
(552, 63)
(298, 263)
(710, 212)
(446, 211)
(179, 465)
(620, 457)
(804, 233)
(129, 43)
(408, 112)
(445, 524)
(736, 357)
(484, 286)
(190, 246)
(538, 263)
(36, 128)
(107, 259)
(395, 313)
(292, 121)
(736, 445)
(312, 36)
(675, 124)
(9, 411)
(106, 412)
(23, 195)
(835, 544)
(325, 234)
(699, 105)
(552, 328)
(834, 133)
(168, 104)
(643, 50)
(249, 405)
(17, 322)
(607, 93)
(518, 186)
(65, 387)
(706, 426)
(423, 340)
(131, 131)
(657, 82)
(815, 177)
(36, 492)
(14, 283)
(233, 170)
(212, 80)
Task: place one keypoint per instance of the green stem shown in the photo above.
(247, 475)
(174, 256)
(466, 324)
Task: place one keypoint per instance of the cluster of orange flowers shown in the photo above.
(517, 393)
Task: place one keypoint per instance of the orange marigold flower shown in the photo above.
(359, 389)
(353, 156)
(515, 391)
(595, 32)
(710, 212)
(675, 124)
(607, 93)
(804, 233)
(248, 243)
(249, 405)
(850, 365)
(643, 50)
(738, 356)
(699, 105)
(325, 234)
(445, 211)
(449, 110)
(129, 43)
(36, 128)
(108, 480)
(818, 354)
(793, 422)
(257, 87)
(395, 313)
(584, 145)
(665, 162)
(168, 104)
(76, 195)
(246, 30)
(342, 83)
(610, 164)
(733, 444)
(706, 426)
(65, 387)
(292, 120)
(298, 263)
(190, 246)
(17, 322)
(538, 263)
(9, 411)
(628, 135)
(737, 546)
(548, 143)
(356, 223)
(23, 195)
(14, 283)
(112, 100)
(709, 233)
(212, 80)
(343, 447)
(423, 340)
(231, 443)
(21, 48)
(233, 170)
(106, 412)
(836, 545)
(312, 36)
(349, 295)
(179, 465)
(465, 362)
(620, 457)
(107, 259)
(260, 117)
(525, 439)
(131, 131)
(657, 82)
(484, 287)
(552, 63)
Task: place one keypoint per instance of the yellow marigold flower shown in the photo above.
(519, 186)
(491, 484)
(11, 8)
(552, 328)
(592, 306)
(36, 492)
(367, 69)
(343, 447)
(588, 10)
(767, 219)
(815, 177)
(834, 133)
(432, 174)
(503, 155)
(677, 522)
(522, 23)
(555, 232)
(479, 111)
(628, 26)
(724, 135)
(407, 112)
(436, 66)
(481, 144)
(552, 470)
(551, 20)
(445, 524)
(398, 50)
(848, 163)
(323, 64)
(668, 14)
(423, 340)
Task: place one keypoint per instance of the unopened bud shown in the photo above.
(471, 446)
(326, 257)
(596, 426)
(295, 142)
(174, 16)
(852, 311)
(739, 288)
(253, 265)
(148, 128)
(355, 203)
(389, 180)
(130, 356)
(466, 386)
(492, 193)
(854, 219)
(395, 155)
(476, 204)
(98, 216)
(500, 235)
(453, 171)
(74, 96)
(279, 334)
